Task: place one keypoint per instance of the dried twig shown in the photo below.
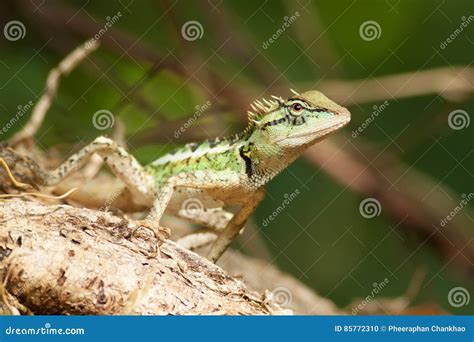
(451, 83)
(52, 83)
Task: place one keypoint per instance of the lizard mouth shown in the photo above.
(316, 133)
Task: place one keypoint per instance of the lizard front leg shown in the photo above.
(235, 225)
(198, 180)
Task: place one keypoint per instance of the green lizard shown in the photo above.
(217, 174)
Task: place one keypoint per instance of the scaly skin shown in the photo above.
(221, 173)
(254, 152)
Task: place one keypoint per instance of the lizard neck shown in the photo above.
(263, 161)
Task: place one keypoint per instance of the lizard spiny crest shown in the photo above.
(264, 106)
(259, 109)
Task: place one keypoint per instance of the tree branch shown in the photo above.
(52, 84)
(59, 259)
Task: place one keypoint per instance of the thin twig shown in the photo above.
(451, 83)
(52, 83)
(12, 178)
(39, 195)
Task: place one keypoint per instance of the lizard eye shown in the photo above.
(296, 108)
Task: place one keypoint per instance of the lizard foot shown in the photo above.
(160, 233)
(145, 243)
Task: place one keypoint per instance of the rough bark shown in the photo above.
(285, 290)
(57, 259)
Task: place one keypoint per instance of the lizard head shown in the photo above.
(301, 120)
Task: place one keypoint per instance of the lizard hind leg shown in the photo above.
(214, 220)
(197, 239)
(122, 164)
(196, 206)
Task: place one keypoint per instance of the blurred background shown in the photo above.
(382, 209)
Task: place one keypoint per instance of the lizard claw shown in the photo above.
(161, 233)
(151, 248)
